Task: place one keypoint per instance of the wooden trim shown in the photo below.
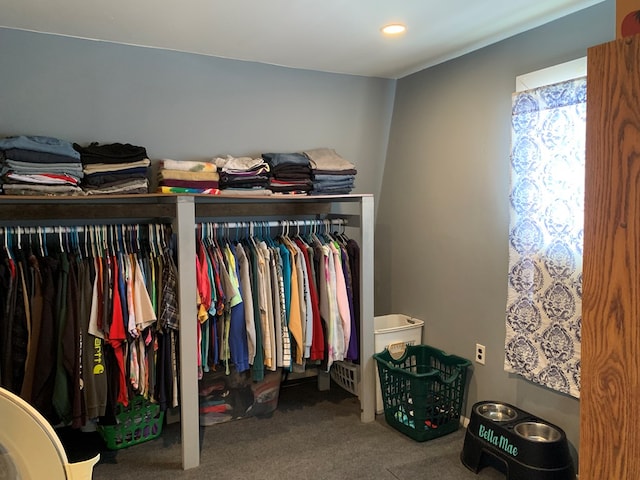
(610, 375)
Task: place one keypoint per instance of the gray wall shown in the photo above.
(188, 107)
(442, 222)
(442, 226)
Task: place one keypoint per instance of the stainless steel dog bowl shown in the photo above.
(537, 432)
(498, 412)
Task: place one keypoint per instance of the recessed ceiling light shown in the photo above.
(394, 29)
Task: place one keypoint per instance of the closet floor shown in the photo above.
(311, 435)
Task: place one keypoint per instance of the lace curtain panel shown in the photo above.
(544, 302)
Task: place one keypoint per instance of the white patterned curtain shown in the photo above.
(544, 304)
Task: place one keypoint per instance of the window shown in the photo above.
(544, 307)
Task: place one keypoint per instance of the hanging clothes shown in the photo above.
(282, 301)
(83, 322)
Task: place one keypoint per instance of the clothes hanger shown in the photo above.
(94, 242)
(105, 241)
(137, 237)
(67, 239)
(131, 238)
(8, 243)
(91, 239)
(151, 241)
(343, 233)
(71, 234)
(86, 242)
(40, 241)
(252, 239)
(162, 232)
(60, 243)
(270, 238)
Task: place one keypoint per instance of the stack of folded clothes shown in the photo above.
(290, 173)
(332, 174)
(176, 176)
(114, 168)
(243, 175)
(37, 165)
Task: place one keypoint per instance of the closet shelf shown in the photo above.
(183, 211)
(162, 206)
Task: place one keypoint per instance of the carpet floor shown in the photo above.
(311, 435)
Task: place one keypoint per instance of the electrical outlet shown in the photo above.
(480, 353)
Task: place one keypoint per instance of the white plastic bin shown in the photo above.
(390, 329)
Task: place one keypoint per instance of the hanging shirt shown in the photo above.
(247, 294)
(275, 303)
(257, 370)
(96, 302)
(317, 337)
(266, 328)
(284, 328)
(266, 255)
(61, 402)
(238, 333)
(295, 319)
(94, 377)
(334, 312)
(145, 315)
(308, 310)
(117, 339)
(342, 297)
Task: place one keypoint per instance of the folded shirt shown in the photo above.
(240, 175)
(291, 169)
(33, 156)
(254, 191)
(188, 166)
(245, 182)
(122, 187)
(113, 167)
(350, 171)
(36, 143)
(292, 176)
(262, 169)
(230, 163)
(282, 186)
(331, 191)
(275, 159)
(25, 189)
(74, 169)
(43, 178)
(334, 178)
(164, 174)
(110, 153)
(327, 159)
(97, 179)
(207, 191)
(190, 184)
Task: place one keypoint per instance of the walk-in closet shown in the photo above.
(167, 227)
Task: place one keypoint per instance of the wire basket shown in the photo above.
(422, 390)
(347, 375)
(139, 422)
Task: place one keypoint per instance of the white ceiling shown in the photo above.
(341, 36)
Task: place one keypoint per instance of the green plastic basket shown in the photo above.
(139, 422)
(422, 390)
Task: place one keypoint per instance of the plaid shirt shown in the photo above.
(169, 317)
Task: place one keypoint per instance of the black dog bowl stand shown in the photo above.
(529, 448)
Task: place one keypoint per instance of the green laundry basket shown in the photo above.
(139, 422)
(422, 390)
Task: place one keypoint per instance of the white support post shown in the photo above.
(367, 362)
(190, 427)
